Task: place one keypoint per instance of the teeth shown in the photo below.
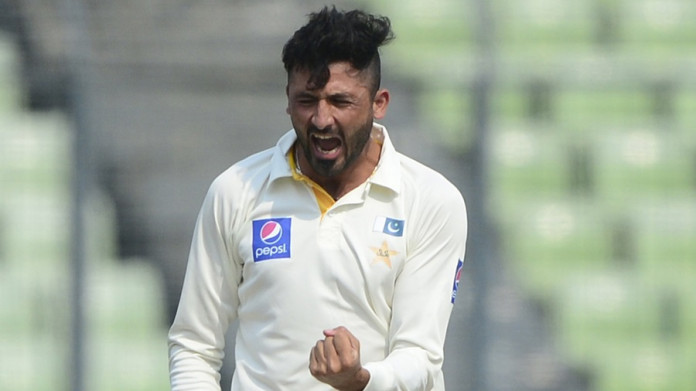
(327, 150)
(324, 141)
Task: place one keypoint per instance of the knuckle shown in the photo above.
(334, 367)
(317, 370)
(346, 361)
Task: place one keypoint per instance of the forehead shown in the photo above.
(343, 76)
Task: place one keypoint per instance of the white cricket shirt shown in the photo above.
(383, 261)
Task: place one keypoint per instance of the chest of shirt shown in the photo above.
(354, 251)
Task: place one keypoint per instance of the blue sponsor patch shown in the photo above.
(457, 276)
(271, 238)
(389, 226)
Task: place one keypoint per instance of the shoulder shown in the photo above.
(255, 171)
(243, 181)
(420, 180)
(235, 190)
(244, 173)
(434, 206)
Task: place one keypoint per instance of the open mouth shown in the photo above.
(326, 147)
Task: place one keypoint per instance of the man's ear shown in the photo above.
(380, 103)
(287, 95)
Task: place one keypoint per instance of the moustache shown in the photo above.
(325, 130)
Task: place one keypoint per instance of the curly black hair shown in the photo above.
(333, 36)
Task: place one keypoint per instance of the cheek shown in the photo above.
(351, 118)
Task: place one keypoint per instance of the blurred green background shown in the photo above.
(590, 172)
(592, 166)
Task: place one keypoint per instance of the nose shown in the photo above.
(323, 115)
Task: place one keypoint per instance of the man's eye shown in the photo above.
(305, 102)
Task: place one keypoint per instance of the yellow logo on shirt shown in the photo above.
(383, 254)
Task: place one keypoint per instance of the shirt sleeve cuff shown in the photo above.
(381, 376)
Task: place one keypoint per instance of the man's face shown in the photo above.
(333, 123)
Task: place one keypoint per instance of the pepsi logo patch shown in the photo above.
(457, 277)
(271, 238)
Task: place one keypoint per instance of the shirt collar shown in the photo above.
(388, 171)
(279, 161)
(387, 174)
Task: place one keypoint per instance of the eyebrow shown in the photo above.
(338, 95)
(342, 96)
(303, 94)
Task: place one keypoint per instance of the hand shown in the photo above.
(335, 360)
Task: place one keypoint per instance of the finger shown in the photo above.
(342, 332)
(313, 364)
(354, 342)
(342, 343)
(330, 353)
(319, 351)
(317, 364)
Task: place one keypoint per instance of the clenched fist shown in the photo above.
(335, 360)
